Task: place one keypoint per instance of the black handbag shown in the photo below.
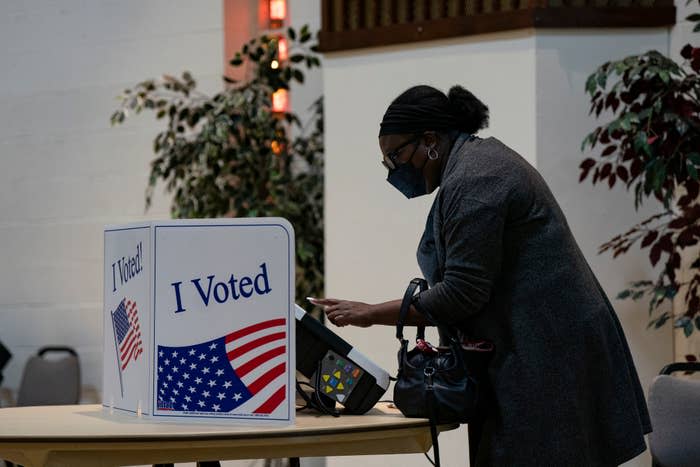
(438, 383)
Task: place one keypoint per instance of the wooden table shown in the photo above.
(88, 435)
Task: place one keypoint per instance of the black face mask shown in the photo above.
(408, 179)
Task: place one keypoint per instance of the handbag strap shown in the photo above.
(430, 402)
(422, 284)
(406, 306)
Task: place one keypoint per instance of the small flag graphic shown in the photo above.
(127, 333)
(243, 370)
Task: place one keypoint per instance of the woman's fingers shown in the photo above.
(323, 301)
(332, 308)
(344, 312)
(337, 318)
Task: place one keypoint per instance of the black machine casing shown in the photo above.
(348, 377)
(5, 357)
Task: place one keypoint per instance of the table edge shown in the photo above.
(422, 423)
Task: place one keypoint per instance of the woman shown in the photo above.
(503, 265)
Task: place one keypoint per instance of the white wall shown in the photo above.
(302, 96)
(371, 230)
(65, 172)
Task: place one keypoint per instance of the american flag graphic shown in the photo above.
(127, 333)
(242, 371)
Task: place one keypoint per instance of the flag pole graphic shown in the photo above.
(116, 348)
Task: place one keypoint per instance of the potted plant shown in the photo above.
(652, 145)
(229, 154)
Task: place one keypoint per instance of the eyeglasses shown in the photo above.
(389, 161)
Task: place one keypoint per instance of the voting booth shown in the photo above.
(199, 320)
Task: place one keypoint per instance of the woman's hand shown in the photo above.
(344, 312)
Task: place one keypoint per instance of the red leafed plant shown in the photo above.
(653, 145)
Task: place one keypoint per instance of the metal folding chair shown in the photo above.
(674, 408)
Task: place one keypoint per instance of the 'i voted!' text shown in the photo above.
(127, 267)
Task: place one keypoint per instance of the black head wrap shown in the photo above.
(423, 108)
(416, 118)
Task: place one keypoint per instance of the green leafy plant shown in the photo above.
(230, 155)
(652, 144)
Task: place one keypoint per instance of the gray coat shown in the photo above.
(504, 265)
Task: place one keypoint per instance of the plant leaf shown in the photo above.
(637, 295)
(602, 80)
(655, 254)
(587, 163)
(688, 328)
(609, 150)
(624, 294)
(649, 238)
(591, 84)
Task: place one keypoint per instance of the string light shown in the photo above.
(282, 50)
(280, 100)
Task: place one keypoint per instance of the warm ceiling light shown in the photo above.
(274, 64)
(278, 13)
(280, 101)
